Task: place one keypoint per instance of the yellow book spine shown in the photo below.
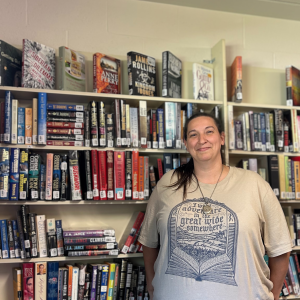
(28, 126)
(297, 179)
(111, 281)
(34, 121)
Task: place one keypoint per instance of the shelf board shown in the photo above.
(296, 248)
(289, 201)
(255, 106)
(290, 297)
(69, 258)
(73, 202)
(259, 153)
(86, 97)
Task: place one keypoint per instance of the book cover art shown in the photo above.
(208, 255)
(41, 280)
(71, 70)
(292, 86)
(236, 80)
(28, 281)
(107, 74)
(141, 74)
(203, 79)
(52, 280)
(172, 73)
(38, 65)
(10, 65)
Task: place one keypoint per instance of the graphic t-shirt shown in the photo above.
(219, 255)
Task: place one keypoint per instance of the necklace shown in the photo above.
(207, 209)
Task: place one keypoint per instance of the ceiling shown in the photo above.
(282, 9)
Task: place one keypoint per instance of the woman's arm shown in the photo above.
(150, 256)
(278, 268)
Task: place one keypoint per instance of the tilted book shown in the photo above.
(203, 79)
(236, 80)
(292, 86)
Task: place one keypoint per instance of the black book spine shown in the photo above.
(89, 188)
(165, 58)
(279, 143)
(82, 167)
(56, 177)
(55, 119)
(87, 133)
(152, 178)
(122, 279)
(117, 122)
(274, 173)
(128, 281)
(94, 124)
(25, 231)
(141, 282)
(128, 182)
(87, 285)
(11, 242)
(251, 125)
(255, 127)
(65, 285)
(21, 233)
(98, 285)
(51, 238)
(102, 129)
(34, 170)
(64, 193)
(76, 192)
(123, 122)
(110, 129)
(32, 234)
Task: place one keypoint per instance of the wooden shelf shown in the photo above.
(73, 202)
(259, 153)
(290, 297)
(69, 258)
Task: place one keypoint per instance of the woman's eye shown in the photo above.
(210, 131)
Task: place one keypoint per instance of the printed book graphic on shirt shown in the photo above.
(203, 246)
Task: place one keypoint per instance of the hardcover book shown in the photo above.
(292, 86)
(71, 70)
(52, 280)
(32, 234)
(119, 178)
(14, 121)
(101, 124)
(41, 235)
(42, 182)
(95, 174)
(23, 214)
(21, 125)
(4, 239)
(203, 81)
(4, 174)
(94, 123)
(41, 280)
(64, 192)
(35, 121)
(76, 193)
(172, 73)
(141, 74)
(17, 242)
(33, 176)
(7, 114)
(110, 175)
(38, 66)
(65, 107)
(28, 281)
(42, 118)
(102, 174)
(14, 174)
(28, 126)
(56, 181)
(17, 283)
(10, 65)
(236, 80)
(106, 74)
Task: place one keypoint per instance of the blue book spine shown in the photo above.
(160, 128)
(42, 118)
(42, 182)
(263, 132)
(170, 120)
(189, 110)
(104, 282)
(16, 239)
(21, 125)
(4, 174)
(52, 280)
(294, 271)
(4, 239)
(7, 112)
(65, 107)
(93, 288)
(14, 174)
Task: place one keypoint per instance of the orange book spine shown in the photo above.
(141, 178)
(297, 178)
(135, 175)
(28, 126)
(70, 278)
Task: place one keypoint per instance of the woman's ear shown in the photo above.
(222, 138)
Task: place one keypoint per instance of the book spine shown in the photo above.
(49, 176)
(89, 233)
(94, 123)
(60, 283)
(71, 120)
(167, 162)
(65, 285)
(128, 140)
(4, 175)
(28, 126)
(75, 283)
(251, 127)
(52, 280)
(87, 132)
(178, 125)
(134, 127)
(66, 137)
(141, 177)
(129, 68)
(128, 281)
(128, 190)
(170, 128)
(110, 175)
(102, 127)
(59, 238)
(95, 174)
(149, 131)
(7, 112)
(100, 246)
(160, 128)
(263, 132)
(297, 178)
(268, 136)
(248, 133)
(76, 193)
(17, 282)
(70, 277)
(122, 279)
(94, 273)
(282, 175)
(14, 121)
(117, 122)
(111, 281)
(117, 282)
(2, 121)
(165, 74)
(135, 175)
(272, 134)
(98, 285)
(289, 84)
(141, 282)
(21, 125)
(64, 125)
(10, 239)
(102, 175)
(146, 177)
(51, 238)
(64, 192)
(294, 274)
(89, 188)
(25, 231)
(152, 178)
(66, 131)
(34, 121)
(42, 180)
(65, 107)
(22, 238)
(28, 280)
(65, 143)
(143, 123)
(278, 115)
(257, 143)
(231, 128)
(87, 285)
(154, 129)
(33, 234)
(17, 242)
(41, 281)
(238, 135)
(14, 174)
(293, 195)
(110, 129)
(56, 181)
(160, 168)
(119, 178)
(123, 122)
(259, 131)
(89, 240)
(66, 114)
(294, 126)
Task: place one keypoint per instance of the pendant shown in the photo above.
(206, 209)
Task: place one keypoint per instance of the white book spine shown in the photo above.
(295, 130)
(146, 177)
(248, 131)
(170, 128)
(41, 280)
(14, 121)
(128, 137)
(231, 128)
(268, 137)
(41, 234)
(75, 283)
(34, 121)
(134, 127)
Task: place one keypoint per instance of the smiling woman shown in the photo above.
(208, 226)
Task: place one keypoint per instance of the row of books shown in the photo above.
(32, 236)
(37, 64)
(118, 280)
(274, 131)
(293, 221)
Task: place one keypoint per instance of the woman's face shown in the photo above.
(203, 139)
(30, 286)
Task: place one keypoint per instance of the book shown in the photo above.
(239, 145)
(167, 162)
(104, 281)
(88, 240)
(56, 181)
(119, 178)
(4, 175)
(76, 193)
(203, 82)
(85, 166)
(10, 65)
(59, 238)
(93, 123)
(2, 121)
(38, 65)
(28, 281)
(21, 234)
(17, 242)
(70, 125)
(141, 178)
(17, 283)
(123, 122)
(21, 125)
(42, 182)
(128, 181)
(135, 175)
(41, 235)
(160, 128)
(32, 230)
(152, 178)
(110, 175)
(7, 114)
(141, 74)
(178, 125)
(122, 275)
(101, 124)
(14, 174)
(51, 237)
(65, 114)
(52, 280)
(75, 283)
(278, 129)
(14, 121)
(273, 171)
(95, 174)
(143, 123)
(292, 77)
(160, 168)
(111, 281)
(106, 74)
(28, 126)
(42, 118)
(100, 246)
(128, 129)
(70, 279)
(65, 186)
(170, 124)
(102, 174)
(128, 280)
(110, 129)
(236, 94)
(34, 121)
(66, 131)
(41, 280)
(5, 240)
(93, 270)
(134, 126)
(65, 107)
(93, 252)
(231, 128)
(172, 74)
(88, 233)
(65, 143)
(33, 176)
(117, 122)
(71, 70)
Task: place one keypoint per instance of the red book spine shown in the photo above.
(65, 143)
(65, 125)
(160, 168)
(65, 131)
(95, 177)
(135, 228)
(110, 175)
(141, 178)
(102, 174)
(135, 175)
(119, 178)
(28, 281)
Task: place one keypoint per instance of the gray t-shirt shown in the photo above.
(217, 256)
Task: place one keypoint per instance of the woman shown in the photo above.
(207, 227)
